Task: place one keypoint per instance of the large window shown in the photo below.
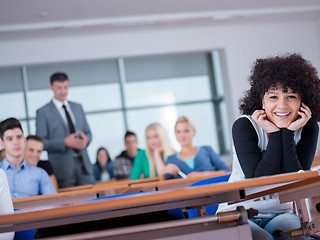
(128, 94)
(11, 94)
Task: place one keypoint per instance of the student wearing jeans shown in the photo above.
(276, 133)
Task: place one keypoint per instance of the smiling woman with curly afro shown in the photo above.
(292, 72)
(276, 133)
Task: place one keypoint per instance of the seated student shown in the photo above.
(158, 148)
(277, 133)
(24, 179)
(123, 163)
(32, 153)
(192, 161)
(103, 168)
(140, 166)
(6, 206)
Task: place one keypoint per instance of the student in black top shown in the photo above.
(277, 133)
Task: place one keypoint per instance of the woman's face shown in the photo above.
(102, 157)
(153, 139)
(184, 133)
(281, 107)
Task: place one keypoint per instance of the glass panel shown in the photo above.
(11, 94)
(201, 114)
(37, 99)
(11, 80)
(78, 73)
(24, 128)
(12, 105)
(32, 127)
(97, 97)
(166, 66)
(108, 131)
(167, 91)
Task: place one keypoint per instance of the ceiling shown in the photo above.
(18, 16)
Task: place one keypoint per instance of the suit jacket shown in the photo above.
(52, 129)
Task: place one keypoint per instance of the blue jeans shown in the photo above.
(262, 228)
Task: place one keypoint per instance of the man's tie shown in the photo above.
(71, 126)
(70, 123)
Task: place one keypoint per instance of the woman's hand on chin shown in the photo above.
(304, 116)
(260, 117)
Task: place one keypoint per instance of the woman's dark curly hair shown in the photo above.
(290, 71)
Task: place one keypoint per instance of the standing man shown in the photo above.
(65, 132)
(24, 179)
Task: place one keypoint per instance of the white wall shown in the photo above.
(242, 43)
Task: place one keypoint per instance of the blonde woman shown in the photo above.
(191, 161)
(158, 148)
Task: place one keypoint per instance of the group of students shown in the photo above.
(33, 149)
(160, 159)
(276, 133)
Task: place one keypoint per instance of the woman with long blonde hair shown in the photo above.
(158, 148)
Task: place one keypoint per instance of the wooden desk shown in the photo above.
(68, 197)
(68, 189)
(168, 184)
(128, 181)
(78, 194)
(112, 182)
(205, 228)
(145, 202)
(84, 193)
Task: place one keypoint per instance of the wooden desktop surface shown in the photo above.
(108, 183)
(128, 205)
(76, 195)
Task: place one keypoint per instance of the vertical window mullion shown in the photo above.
(25, 91)
(122, 82)
(216, 104)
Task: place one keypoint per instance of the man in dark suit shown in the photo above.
(65, 132)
